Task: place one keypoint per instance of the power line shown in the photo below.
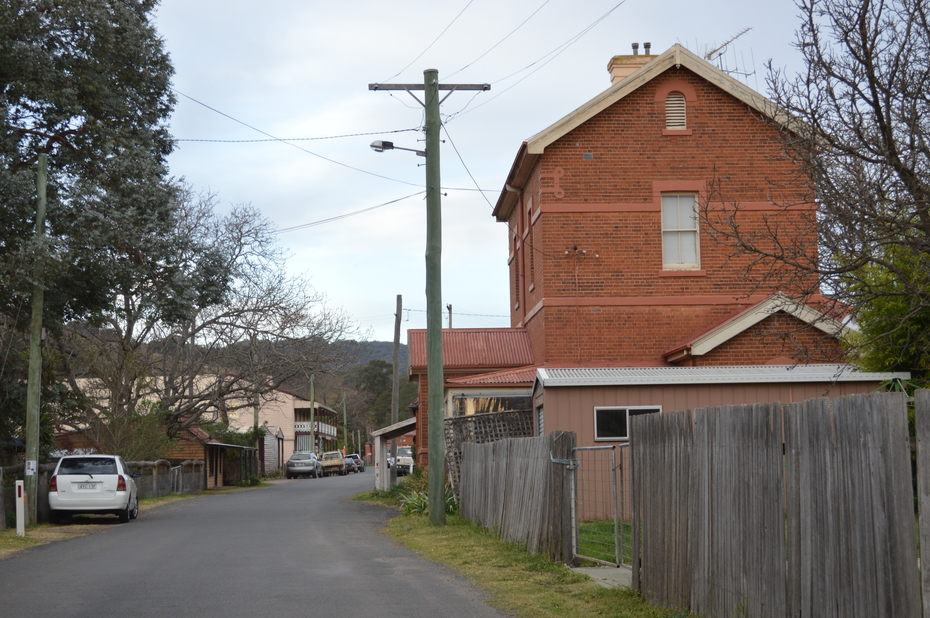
(346, 215)
(294, 139)
(431, 44)
(468, 171)
(523, 23)
(474, 315)
(555, 53)
(278, 139)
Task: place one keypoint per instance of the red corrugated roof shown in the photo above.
(520, 375)
(474, 347)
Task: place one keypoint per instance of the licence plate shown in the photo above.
(87, 486)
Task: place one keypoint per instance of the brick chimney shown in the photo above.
(620, 67)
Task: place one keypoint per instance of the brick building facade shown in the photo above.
(613, 258)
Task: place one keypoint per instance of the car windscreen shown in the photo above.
(301, 456)
(403, 452)
(88, 465)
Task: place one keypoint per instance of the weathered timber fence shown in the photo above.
(771, 511)
(158, 478)
(521, 488)
(481, 429)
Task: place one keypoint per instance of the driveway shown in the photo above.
(299, 548)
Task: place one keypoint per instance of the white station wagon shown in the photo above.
(94, 484)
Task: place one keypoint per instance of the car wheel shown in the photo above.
(287, 476)
(54, 517)
(124, 515)
(134, 513)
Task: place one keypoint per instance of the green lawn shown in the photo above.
(519, 583)
(596, 540)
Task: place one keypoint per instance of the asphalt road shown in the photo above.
(300, 548)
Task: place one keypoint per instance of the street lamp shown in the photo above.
(382, 145)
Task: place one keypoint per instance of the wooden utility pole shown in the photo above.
(345, 425)
(313, 445)
(395, 387)
(435, 443)
(34, 377)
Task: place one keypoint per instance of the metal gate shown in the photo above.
(601, 510)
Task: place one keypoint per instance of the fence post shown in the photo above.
(922, 427)
(2, 507)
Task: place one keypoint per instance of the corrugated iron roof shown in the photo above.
(520, 375)
(631, 376)
(474, 347)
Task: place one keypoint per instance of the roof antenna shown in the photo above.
(718, 51)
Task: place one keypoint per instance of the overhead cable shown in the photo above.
(283, 141)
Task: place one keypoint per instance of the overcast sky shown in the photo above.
(299, 70)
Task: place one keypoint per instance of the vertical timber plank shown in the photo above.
(922, 414)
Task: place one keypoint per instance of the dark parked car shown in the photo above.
(359, 462)
(351, 466)
(303, 463)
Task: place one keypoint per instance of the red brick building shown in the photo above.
(612, 259)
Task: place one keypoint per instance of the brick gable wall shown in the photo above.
(598, 291)
(778, 339)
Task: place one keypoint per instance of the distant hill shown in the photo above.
(362, 352)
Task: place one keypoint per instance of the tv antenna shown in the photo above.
(719, 51)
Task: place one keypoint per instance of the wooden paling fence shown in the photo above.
(768, 510)
(480, 429)
(521, 488)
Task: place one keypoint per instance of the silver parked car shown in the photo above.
(303, 463)
(92, 484)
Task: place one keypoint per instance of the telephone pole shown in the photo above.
(435, 443)
(395, 387)
(34, 377)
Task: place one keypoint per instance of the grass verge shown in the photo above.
(519, 583)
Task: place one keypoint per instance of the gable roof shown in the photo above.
(473, 348)
(675, 56)
(720, 333)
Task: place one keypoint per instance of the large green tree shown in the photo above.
(87, 83)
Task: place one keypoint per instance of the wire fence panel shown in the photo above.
(602, 535)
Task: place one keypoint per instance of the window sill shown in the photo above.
(683, 273)
(676, 131)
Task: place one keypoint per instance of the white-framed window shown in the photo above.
(676, 118)
(613, 423)
(680, 231)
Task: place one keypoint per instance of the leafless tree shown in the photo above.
(855, 128)
(237, 328)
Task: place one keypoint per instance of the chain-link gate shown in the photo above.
(601, 513)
